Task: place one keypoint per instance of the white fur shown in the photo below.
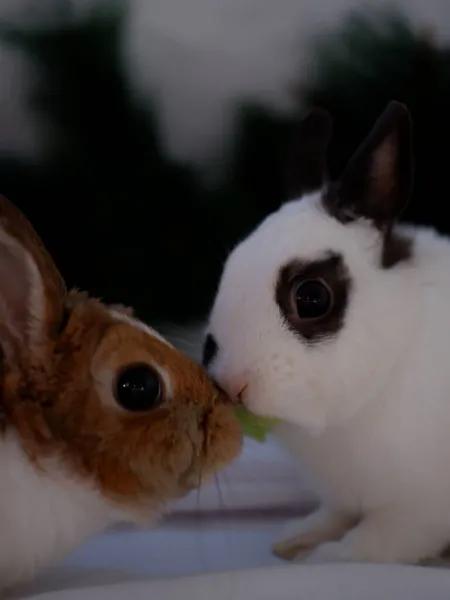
(139, 325)
(44, 514)
(368, 411)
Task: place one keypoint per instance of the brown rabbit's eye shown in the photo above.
(312, 298)
(138, 388)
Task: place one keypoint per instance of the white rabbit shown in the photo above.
(335, 319)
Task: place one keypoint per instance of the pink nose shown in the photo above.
(235, 388)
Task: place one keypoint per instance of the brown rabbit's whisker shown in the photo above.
(223, 476)
(200, 478)
(219, 492)
(198, 493)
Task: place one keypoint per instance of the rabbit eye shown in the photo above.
(313, 299)
(138, 388)
(313, 296)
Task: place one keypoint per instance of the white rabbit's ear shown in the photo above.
(377, 182)
(306, 168)
(31, 290)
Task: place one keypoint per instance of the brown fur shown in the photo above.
(60, 398)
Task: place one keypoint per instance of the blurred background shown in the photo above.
(143, 138)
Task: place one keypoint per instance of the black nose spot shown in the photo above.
(210, 350)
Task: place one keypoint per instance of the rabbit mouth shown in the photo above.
(239, 400)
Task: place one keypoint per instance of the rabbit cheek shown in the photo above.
(166, 455)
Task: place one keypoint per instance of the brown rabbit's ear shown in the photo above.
(31, 289)
(378, 180)
(306, 168)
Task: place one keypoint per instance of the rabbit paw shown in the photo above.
(392, 537)
(329, 552)
(303, 535)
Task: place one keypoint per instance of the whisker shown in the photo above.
(226, 525)
(188, 338)
(219, 492)
(225, 478)
(200, 542)
(199, 485)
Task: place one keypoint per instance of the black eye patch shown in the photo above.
(313, 296)
(210, 350)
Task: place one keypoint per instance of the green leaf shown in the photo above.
(253, 426)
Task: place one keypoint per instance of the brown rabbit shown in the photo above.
(101, 419)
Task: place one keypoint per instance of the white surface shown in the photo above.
(332, 582)
(174, 550)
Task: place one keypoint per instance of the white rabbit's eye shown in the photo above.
(138, 388)
(313, 296)
(313, 299)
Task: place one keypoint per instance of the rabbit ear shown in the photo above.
(307, 160)
(31, 289)
(377, 182)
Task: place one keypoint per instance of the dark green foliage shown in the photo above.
(123, 221)
(253, 184)
(133, 226)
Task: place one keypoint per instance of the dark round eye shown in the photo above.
(138, 388)
(312, 299)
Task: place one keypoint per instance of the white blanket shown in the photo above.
(331, 582)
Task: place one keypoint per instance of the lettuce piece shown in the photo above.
(253, 426)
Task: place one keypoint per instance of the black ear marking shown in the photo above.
(307, 159)
(378, 180)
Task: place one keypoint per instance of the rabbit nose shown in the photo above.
(240, 393)
(234, 389)
(224, 397)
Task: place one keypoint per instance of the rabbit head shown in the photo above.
(91, 387)
(311, 313)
